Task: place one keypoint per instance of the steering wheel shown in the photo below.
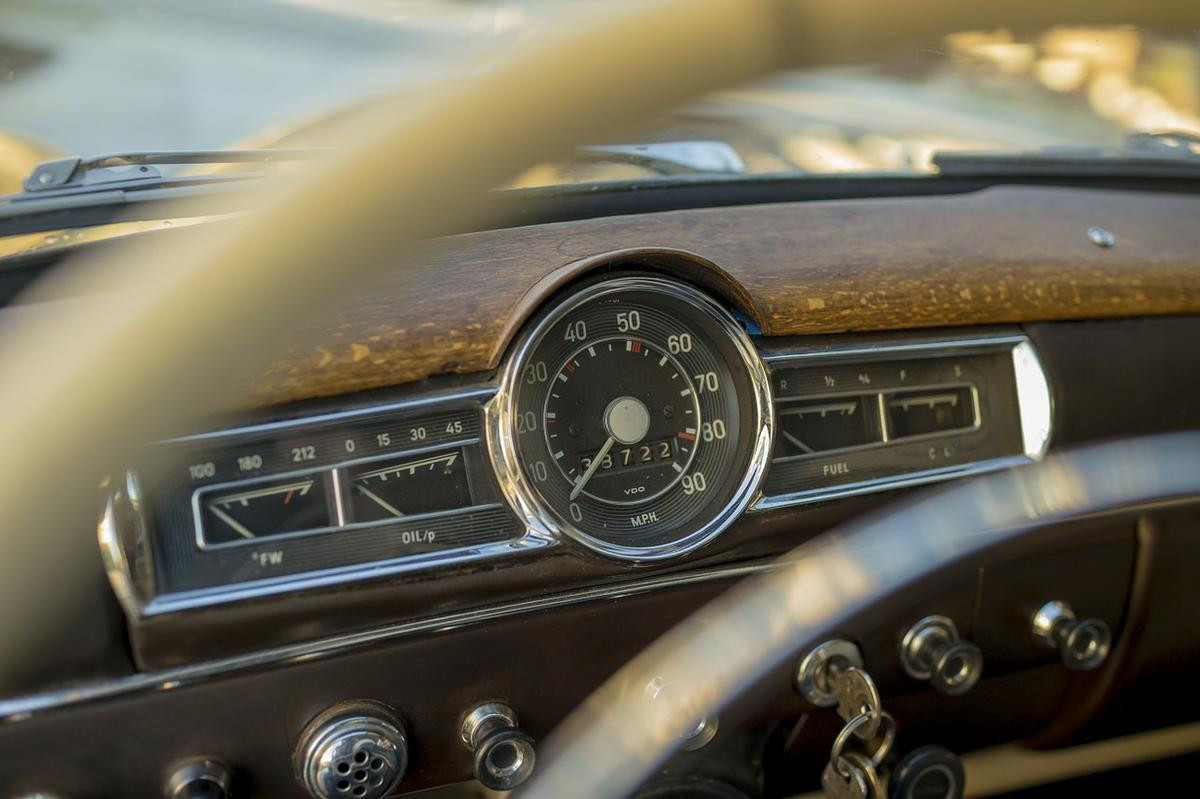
(150, 337)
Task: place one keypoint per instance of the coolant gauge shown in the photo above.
(231, 515)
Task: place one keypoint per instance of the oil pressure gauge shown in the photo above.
(634, 418)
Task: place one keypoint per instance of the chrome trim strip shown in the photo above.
(138, 606)
(18, 709)
(1034, 399)
(929, 349)
(480, 394)
(22, 708)
(116, 565)
(370, 570)
(1034, 404)
(526, 500)
(887, 483)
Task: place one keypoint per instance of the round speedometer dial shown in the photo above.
(634, 418)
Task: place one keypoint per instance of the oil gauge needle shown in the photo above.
(583, 478)
(378, 500)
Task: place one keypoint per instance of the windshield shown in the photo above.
(94, 76)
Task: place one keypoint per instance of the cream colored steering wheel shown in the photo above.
(151, 338)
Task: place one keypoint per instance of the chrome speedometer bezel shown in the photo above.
(502, 442)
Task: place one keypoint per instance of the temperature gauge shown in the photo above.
(263, 510)
(404, 488)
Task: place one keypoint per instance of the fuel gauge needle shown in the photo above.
(582, 481)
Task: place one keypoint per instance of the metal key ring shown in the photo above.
(869, 771)
(839, 743)
(888, 722)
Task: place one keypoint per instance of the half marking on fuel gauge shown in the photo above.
(824, 425)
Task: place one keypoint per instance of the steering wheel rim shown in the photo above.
(49, 360)
(620, 734)
(148, 336)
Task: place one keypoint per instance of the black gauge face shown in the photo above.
(268, 509)
(396, 489)
(631, 447)
(829, 424)
(637, 417)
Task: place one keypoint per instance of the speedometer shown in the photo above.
(634, 417)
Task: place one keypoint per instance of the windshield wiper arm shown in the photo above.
(77, 192)
(76, 175)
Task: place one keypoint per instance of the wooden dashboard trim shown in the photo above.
(1001, 255)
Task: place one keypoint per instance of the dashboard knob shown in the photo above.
(928, 772)
(932, 650)
(1084, 644)
(353, 750)
(504, 755)
(200, 779)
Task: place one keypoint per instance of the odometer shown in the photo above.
(634, 417)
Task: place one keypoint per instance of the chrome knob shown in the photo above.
(200, 779)
(504, 755)
(353, 750)
(932, 650)
(1084, 645)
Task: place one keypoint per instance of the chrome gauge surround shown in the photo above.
(1034, 405)
(750, 461)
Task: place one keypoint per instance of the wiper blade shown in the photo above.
(75, 175)
(670, 157)
(1165, 155)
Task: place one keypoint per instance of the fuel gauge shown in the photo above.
(263, 510)
(407, 487)
(826, 424)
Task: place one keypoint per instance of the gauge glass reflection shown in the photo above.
(636, 412)
(414, 485)
(264, 510)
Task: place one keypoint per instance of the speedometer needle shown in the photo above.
(582, 481)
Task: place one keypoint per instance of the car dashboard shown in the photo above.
(495, 476)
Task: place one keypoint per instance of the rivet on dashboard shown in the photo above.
(1101, 237)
